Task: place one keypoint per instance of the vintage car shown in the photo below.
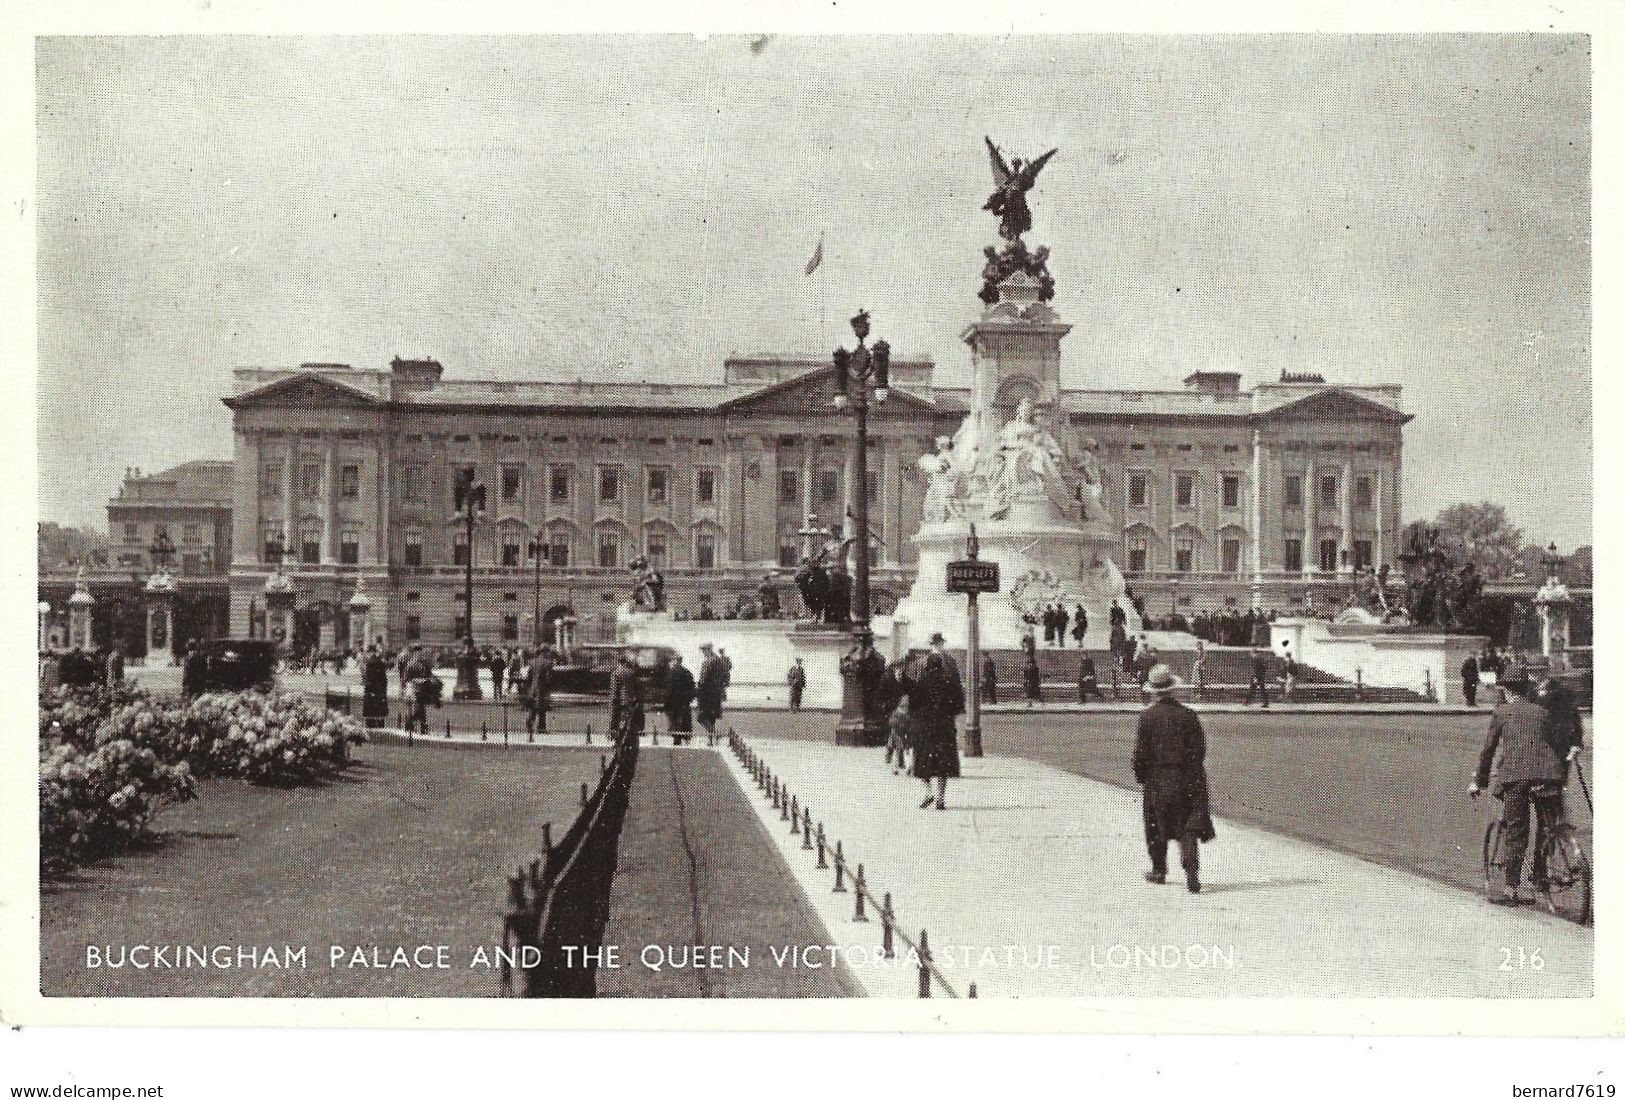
(239, 664)
(588, 670)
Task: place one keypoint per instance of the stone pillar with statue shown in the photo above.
(1013, 468)
(360, 616)
(1556, 607)
(159, 594)
(80, 631)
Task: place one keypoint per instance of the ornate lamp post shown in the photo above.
(279, 597)
(44, 626)
(1555, 605)
(160, 592)
(856, 372)
(537, 548)
(470, 500)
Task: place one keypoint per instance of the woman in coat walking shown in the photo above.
(935, 698)
(679, 697)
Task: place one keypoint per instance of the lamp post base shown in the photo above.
(859, 726)
(468, 678)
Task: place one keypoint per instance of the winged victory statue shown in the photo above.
(1011, 182)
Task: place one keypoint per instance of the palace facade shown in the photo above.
(1225, 496)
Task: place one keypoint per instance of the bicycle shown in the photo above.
(1566, 887)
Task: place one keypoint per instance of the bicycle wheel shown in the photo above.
(1495, 860)
(1567, 889)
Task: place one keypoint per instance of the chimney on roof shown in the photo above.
(417, 372)
(1214, 381)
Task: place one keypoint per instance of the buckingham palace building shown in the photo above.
(1267, 497)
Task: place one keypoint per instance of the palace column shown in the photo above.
(1381, 501)
(1307, 497)
(891, 525)
(289, 483)
(806, 478)
(1256, 519)
(1346, 555)
(330, 500)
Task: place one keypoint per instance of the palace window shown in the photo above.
(1328, 555)
(705, 551)
(412, 482)
(659, 479)
(310, 542)
(1138, 553)
(191, 564)
(459, 625)
(789, 487)
(349, 482)
(1230, 550)
(1362, 553)
(510, 628)
(1328, 491)
(271, 480)
(558, 484)
(705, 486)
(1292, 556)
(459, 549)
(349, 546)
(1184, 489)
(558, 550)
(510, 548)
(511, 478)
(872, 486)
(1230, 490)
(1136, 491)
(609, 484)
(789, 555)
(132, 532)
(1184, 554)
(414, 628)
(412, 551)
(1292, 485)
(1362, 492)
(609, 550)
(656, 548)
(310, 481)
(829, 486)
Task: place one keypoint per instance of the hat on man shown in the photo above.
(937, 639)
(1161, 679)
(705, 647)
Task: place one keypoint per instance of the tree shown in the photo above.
(63, 547)
(1480, 534)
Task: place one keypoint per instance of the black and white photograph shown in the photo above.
(809, 519)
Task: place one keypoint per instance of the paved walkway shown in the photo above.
(1030, 885)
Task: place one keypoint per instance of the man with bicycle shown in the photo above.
(1536, 745)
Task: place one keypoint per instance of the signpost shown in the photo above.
(973, 577)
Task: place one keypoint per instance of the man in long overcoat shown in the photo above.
(538, 690)
(1169, 752)
(625, 699)
(936, 696)
(679, 698)
(374, 689)
(711, 689)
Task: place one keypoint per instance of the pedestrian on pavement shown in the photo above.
(374, 689)
(194, 671)
(710, 690)
(538, 691)
(898, 737)
(1088, 680)
(1260, 684)
(498, 666)
(115, 666)
(679, 698)
(1169, 753)
(935, 698)
(1049, 624)
(1080, 624)
(1469, 680)
(1199, 669)
(1289, 675)
(990, 681)
(1032, 680)
(403, 662)
(796, 678)
(1536, 748)
(425, 689)
(1061, 619)
(625, 699)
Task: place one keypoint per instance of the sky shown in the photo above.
(1378, 209)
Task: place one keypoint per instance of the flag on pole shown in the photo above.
(817, 256)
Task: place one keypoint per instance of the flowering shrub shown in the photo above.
(110, 760)
(93, 802)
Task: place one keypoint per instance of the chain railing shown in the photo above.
(850, 876)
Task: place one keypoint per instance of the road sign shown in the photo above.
(973, 577)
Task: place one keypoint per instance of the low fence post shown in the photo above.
(795, 816)
(888, 949)
(840, 870)
(448, 728)
(784, 804)
(925, 965)
(603, 763)
(483, 736)
(547, 838)
(806, 829)
(823, 864)
(583, 794)
(589, 733)
(859, 888)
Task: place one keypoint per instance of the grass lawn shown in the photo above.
(409, 847)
